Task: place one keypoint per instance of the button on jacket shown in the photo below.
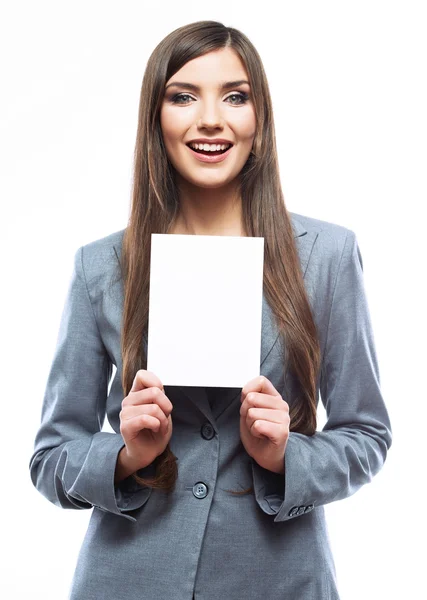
(200, 539)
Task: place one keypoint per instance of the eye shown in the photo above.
(241, 98)
(178, 97)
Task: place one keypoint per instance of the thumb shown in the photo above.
(144, 379)
(137, 384)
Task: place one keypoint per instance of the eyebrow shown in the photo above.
(190, 86)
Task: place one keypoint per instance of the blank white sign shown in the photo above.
(205, 310)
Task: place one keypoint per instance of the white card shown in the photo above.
(205, 309)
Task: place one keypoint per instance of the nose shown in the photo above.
(210, 116)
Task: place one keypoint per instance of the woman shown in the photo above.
(205, 493)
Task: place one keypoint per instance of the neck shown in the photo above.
(207, 211)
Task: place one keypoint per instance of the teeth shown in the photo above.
(210, 147)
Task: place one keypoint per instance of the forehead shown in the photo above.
(219, 65)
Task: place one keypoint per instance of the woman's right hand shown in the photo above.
(145, 424)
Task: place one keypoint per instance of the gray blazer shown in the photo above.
(143, 544)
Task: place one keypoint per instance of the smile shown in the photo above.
(211, 156)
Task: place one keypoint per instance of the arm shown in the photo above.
(74, 462)
(334, 463)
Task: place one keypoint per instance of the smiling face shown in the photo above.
(209, 103)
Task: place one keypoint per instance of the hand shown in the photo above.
(145, 424)
(264, 424)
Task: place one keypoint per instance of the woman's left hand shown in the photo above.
(264, 424)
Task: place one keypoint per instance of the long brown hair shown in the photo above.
(155, 205)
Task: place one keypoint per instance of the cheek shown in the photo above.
(174, 124)
(167, 127)
(246, 125)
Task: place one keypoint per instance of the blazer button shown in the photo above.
(208, 432)
(200, 490)
(293, 511)
(309, 507)
(300, 510)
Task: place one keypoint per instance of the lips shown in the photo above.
(210, 157)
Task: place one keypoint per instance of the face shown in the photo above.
(208, 101)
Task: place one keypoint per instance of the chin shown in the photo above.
(206, 185)
(211, 183)
(206, 181)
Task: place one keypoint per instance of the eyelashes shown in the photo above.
(243, 97)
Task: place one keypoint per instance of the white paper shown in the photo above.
(205, 309)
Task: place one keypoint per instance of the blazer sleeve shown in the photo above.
(352, 447)
(73, 463)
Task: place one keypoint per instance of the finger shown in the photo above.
(265, 414)
(130, 428)
(144, 379)
(129, 412)
(259, 384)
(257, 400)
(275, 432)
(150, 395)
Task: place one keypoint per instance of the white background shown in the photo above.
(348, 81)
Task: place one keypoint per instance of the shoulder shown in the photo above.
(327, 230)
(327, 238)
(325, 250)
(100, 256)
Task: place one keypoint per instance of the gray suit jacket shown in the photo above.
(200, 539)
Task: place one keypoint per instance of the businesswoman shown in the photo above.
(211, 493)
